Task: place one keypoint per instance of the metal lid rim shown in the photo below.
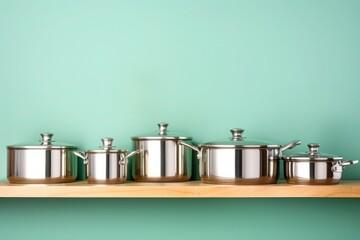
(161, 138)
(239, 146)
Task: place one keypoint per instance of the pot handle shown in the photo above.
(82, 155)
(189, 146)
(290, 145)
(349, 163)
(339, 166)
(124, 160)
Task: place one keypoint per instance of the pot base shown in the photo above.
(19, 180)
(108, 181)
(239, 181)
(313, 181)
(162, 179)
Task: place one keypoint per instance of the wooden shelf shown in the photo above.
(192, 189)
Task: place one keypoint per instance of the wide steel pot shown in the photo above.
(163, 159)
(107, 165)
(313, 167)
(44, 162)
(239, 160)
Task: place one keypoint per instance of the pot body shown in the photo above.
(41, 165)
(239, 165)
(312, 172)
(162, 160)
(106, 168)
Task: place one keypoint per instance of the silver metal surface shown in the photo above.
(163, 128)
(236, 133)
(107, 143)
(347, 163)
(237, 140)
(133, 153)
(240, 164)
(339, 166)
(314, 149)
(104, 168)
(108, 165)
(41, 166)
(46, 142)
(46, 138)
(162, 160)
(313, 154)
(163, 134)
(311, 172)
(313, 167)
(43, 162)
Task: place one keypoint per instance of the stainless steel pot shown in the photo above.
(43, 162)
(163, 159)
(240, 161)
(314, 167)
(106, 165)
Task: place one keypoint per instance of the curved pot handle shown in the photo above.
(290, 145)
(189, 146)
(339, 166)
(82, 155)
(123, 161)
(349, 163)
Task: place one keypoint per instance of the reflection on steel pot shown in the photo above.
(163, 159)
(314, 167)
(239, 160)
(106, 165)
(43, 162)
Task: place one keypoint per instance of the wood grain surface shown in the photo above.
(192, 189)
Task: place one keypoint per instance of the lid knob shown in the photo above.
(46, 138)
(107, 143)
(237, 133)
(163, 128)
(314, 148)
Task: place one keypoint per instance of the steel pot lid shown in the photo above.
(107, 147)
(163, 134)
(312, 155)
(237, 140)
(46, 142)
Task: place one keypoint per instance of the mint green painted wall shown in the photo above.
(163, 219)
(87, 69)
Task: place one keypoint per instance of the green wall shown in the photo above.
(87, 69)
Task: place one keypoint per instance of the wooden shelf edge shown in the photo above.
(192, 189)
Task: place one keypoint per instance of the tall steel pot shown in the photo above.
(46, 161)
(239, 160)
(163, 159)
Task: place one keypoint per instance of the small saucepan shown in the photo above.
(106, 165)
(314, 168)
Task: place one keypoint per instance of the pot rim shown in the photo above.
(312, 160)
(47, 147)
(234, 146)
(161, 138)
(107, 151)
(45, 143)
(163, 134)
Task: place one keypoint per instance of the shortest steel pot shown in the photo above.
(106, 165)
(314, 168)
